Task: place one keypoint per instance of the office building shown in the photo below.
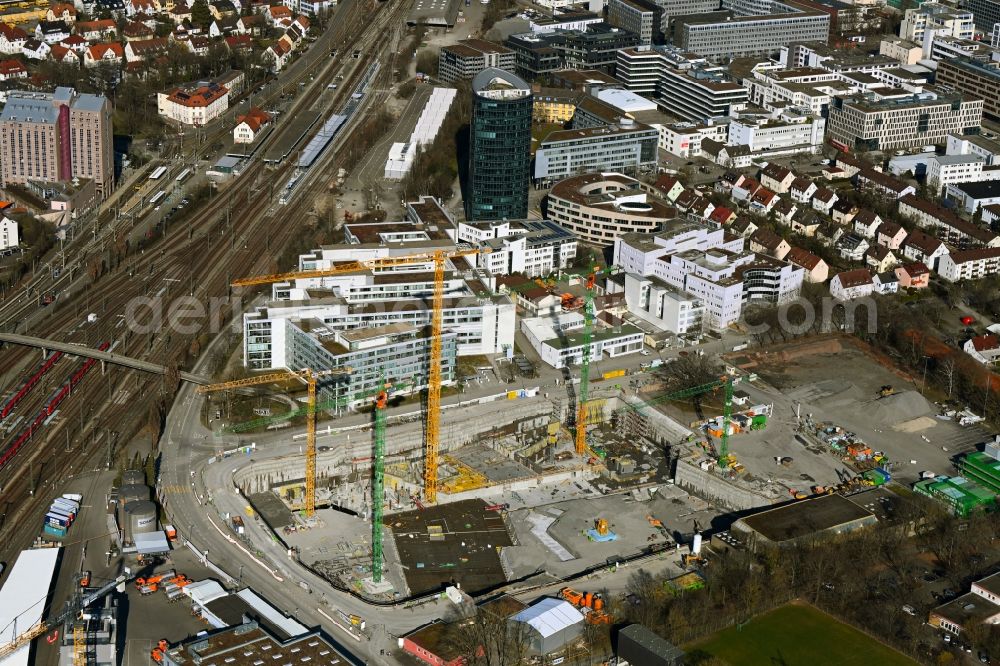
(972, 196)
(568, 18)
(702, 261)
(594, 48)
(58, 136)
(780, 133)
(891, 119)
(641, 17)
(627, 146)
(468, 57)
(683, 84)
(944, 170)
(601, 207)
(942, 19)
(974, 144)
(724, 35)
(499, 147)
(560, 341)
(531, 247)
(193, 106)
(986, 13)
(973, 78)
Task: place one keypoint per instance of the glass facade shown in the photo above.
(500, 147)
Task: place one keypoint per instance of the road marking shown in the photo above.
(174, 490)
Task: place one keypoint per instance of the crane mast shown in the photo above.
(378, 487)
(588, 331)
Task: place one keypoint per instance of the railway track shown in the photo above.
(235, 233)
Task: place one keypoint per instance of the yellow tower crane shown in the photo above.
(311, 378)
(438, 258)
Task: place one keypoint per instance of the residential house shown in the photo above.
(883, 184)
(807, 223)
(226, 25)
(849, 285)
(776, 178)
(969, 264)
(222, 8)
(769, 243)
(702, 208)
(983, 348)
(852, 247)
(52, 32)
(61, 54)
(823, 200)
(61, 11)
(278, 53)
(866, 223)
(146, 50)
(668, 187)
(114, 7)
(180, 13)
(104, 52)
(302, 24)
(891, 235)
(880, 258)
(843, 211)
(136, 31)
(722, 215)
(239, 43)
(829, 233)
(815, 269)
(12, 39)
(35, 49)
(12, 69)
(886, 283)
(913, 275)
(75, 43)
(763, 200)
(742, 227)
(802, 190)
(134, 7)
(253, 25)
(849, 164)
(249, 126)
(278, 15)
(744, 187)
(920, 246)
(94, 31)
(199, 45)
(784, 211)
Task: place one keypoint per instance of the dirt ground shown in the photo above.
(837, 380)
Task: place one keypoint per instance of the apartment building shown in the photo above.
(973, 78)
(596, 47)
(553, 105)
(601, 207)
(944, 170)
(723, 35)
(663, 305)
(627, 146)
(891, 119)
(531, 247)
(969, 264)
(58, 136)
(193, 106)
(641, 17)
(942, 19)
(702, 262)
(683, 84)
(468, 57)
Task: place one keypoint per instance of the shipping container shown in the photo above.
(57, 520)
(73, 497)
(54, 530)
(68, 505)
(59, 511)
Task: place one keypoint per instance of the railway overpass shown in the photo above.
(104, 357)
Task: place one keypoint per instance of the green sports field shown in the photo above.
(796, 634)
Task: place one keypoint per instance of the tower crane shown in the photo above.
(378, 479)
(432, 427)
(726, 384)
(73, 608)
(588, 332)
(311, 378)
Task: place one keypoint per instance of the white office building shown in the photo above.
(532, 247)
(627, 146)
(560, 340)
(786, 132)
(700, 261)
(942, 19)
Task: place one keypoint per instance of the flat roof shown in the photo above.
(983, 190)
(805, 517)
(24, 598)
(295, 130)
(969, 607)
(433, 12)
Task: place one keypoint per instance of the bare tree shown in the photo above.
(489, 638)
(947, 370)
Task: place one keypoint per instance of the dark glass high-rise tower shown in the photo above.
(500, 147)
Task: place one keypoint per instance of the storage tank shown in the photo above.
(696, 546)
(136, 492)
(140, 518)
(133, 477)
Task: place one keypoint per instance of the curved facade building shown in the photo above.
(499, 147)
(600, 207)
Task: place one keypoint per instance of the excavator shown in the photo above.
(593, 602)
